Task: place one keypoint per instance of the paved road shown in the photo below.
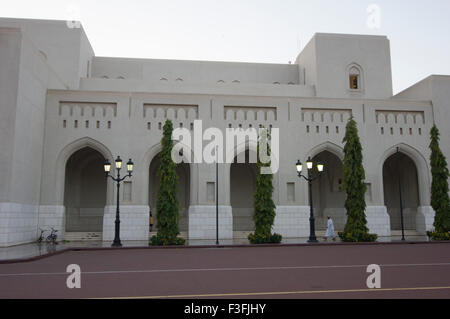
(336, 271)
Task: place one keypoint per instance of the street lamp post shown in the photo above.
(118, 180)
(310, 179)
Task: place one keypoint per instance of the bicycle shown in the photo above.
(41, 237)
(52, 237)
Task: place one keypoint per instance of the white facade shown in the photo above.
(63, 110)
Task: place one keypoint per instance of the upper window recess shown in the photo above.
(355, 77)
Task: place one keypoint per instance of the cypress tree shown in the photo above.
(440, 200)
(354, 175)
(264, 207)
(167, 206)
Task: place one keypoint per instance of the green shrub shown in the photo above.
(264, 207)
(164, 241)
(439, 236)
(355, 237)
(440, 200)
(353, 184)
(167, 205)
(260, 239)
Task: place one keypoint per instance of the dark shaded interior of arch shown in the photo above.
(328, 197)
(407, 170)
(242, 188)
(85, 191)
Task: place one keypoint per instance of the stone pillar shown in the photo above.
(202, 222)
(134, 223)
(292, 221)
(378, 221)
(425, 219)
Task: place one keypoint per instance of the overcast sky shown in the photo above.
(268, 31)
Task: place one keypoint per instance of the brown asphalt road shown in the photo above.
(328, 271)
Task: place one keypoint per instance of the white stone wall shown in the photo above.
(309, 102)
(134, 223)
(52, 216)
(17, 224)
(378, 221)
(425, 219)
(292, 221)
(202, 222)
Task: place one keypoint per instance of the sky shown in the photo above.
(262, 31)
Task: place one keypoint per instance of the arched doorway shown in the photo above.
(183, 194)
(85, 191)
(401, 165)
(242, 189)
(328, 197)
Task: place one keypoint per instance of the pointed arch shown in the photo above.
(64, 156)
(146, 161)
(355, 77)
(423, 170)
(327, 146)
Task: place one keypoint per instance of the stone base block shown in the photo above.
(425, 219)
(292, 221)
(18, 224)
(52, 216)
(378, 221)
(202, 222)
(134, 223)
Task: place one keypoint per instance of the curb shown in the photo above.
(77, 249)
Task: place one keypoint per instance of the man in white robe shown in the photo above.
(330, 230)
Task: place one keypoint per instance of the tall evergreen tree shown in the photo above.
(264, 207)
(167, 206)
(354, 175)
(440, 200)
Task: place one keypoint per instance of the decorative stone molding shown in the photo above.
(170, 111)
(400, 117)
(322, 115)
(87, 109)
(250, 113)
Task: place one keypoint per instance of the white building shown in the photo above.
(64, 110)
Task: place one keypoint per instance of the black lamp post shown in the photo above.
(310, 179)
(118, 180)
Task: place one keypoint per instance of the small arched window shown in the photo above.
(355, 77)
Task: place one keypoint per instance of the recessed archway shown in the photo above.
(242, 189)
(328, 197)
(183, 195)
(85, 191)
(401, 166)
